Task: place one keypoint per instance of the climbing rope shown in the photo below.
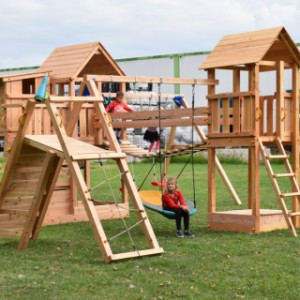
(127, 229)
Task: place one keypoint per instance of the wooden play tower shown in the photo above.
(243, 117)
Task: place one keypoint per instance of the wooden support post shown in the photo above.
(253, 184)
(236, 122)
(280, 109)
(212, 206)
(71, 130)
(98, 136)
(123, 134)
(295, 136)
(253, 153)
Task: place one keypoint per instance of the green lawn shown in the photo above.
(65, 262)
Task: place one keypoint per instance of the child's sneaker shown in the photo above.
(179, 234)
(187, 233)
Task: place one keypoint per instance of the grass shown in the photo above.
(65, 262)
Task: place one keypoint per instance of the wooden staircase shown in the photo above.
(275, 181)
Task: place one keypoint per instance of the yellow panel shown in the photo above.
(151, 197)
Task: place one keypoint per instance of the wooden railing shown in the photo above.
(12, 114)
(276, 118)
(235, 114)
(232, 113)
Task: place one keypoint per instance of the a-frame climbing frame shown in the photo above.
(49, 153)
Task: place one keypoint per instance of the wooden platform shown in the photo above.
(244, 221)
(79, 150)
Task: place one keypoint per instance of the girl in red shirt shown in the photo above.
(173, 201)
(118, 105)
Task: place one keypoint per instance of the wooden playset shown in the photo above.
(46, 141)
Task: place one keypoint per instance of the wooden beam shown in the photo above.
(162, 114)
(229, 95)
(144, 79)
(267, 63)
(160, 123)
(295, 137)
(280, 109)
(18, 77)
(75, 99)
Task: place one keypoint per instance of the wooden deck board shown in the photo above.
(51, 142)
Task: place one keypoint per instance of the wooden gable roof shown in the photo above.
(251, 47)
(74, 61)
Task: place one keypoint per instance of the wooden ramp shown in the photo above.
(33, 168)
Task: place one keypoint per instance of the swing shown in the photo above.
(153, 201)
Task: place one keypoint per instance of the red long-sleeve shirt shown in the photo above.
(116, 106)
(173, 201)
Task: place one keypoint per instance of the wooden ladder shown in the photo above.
(275, 177)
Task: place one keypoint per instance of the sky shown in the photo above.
(32, 29)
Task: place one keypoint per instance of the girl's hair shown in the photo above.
(174, 181)
(120, 94)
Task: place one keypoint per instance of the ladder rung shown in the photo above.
(294, 214)
(279, 156)
(283, 175)
(290, 194)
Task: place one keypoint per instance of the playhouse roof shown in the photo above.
(74, 61)
(252, 47)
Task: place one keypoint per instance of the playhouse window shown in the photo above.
(28, 86)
